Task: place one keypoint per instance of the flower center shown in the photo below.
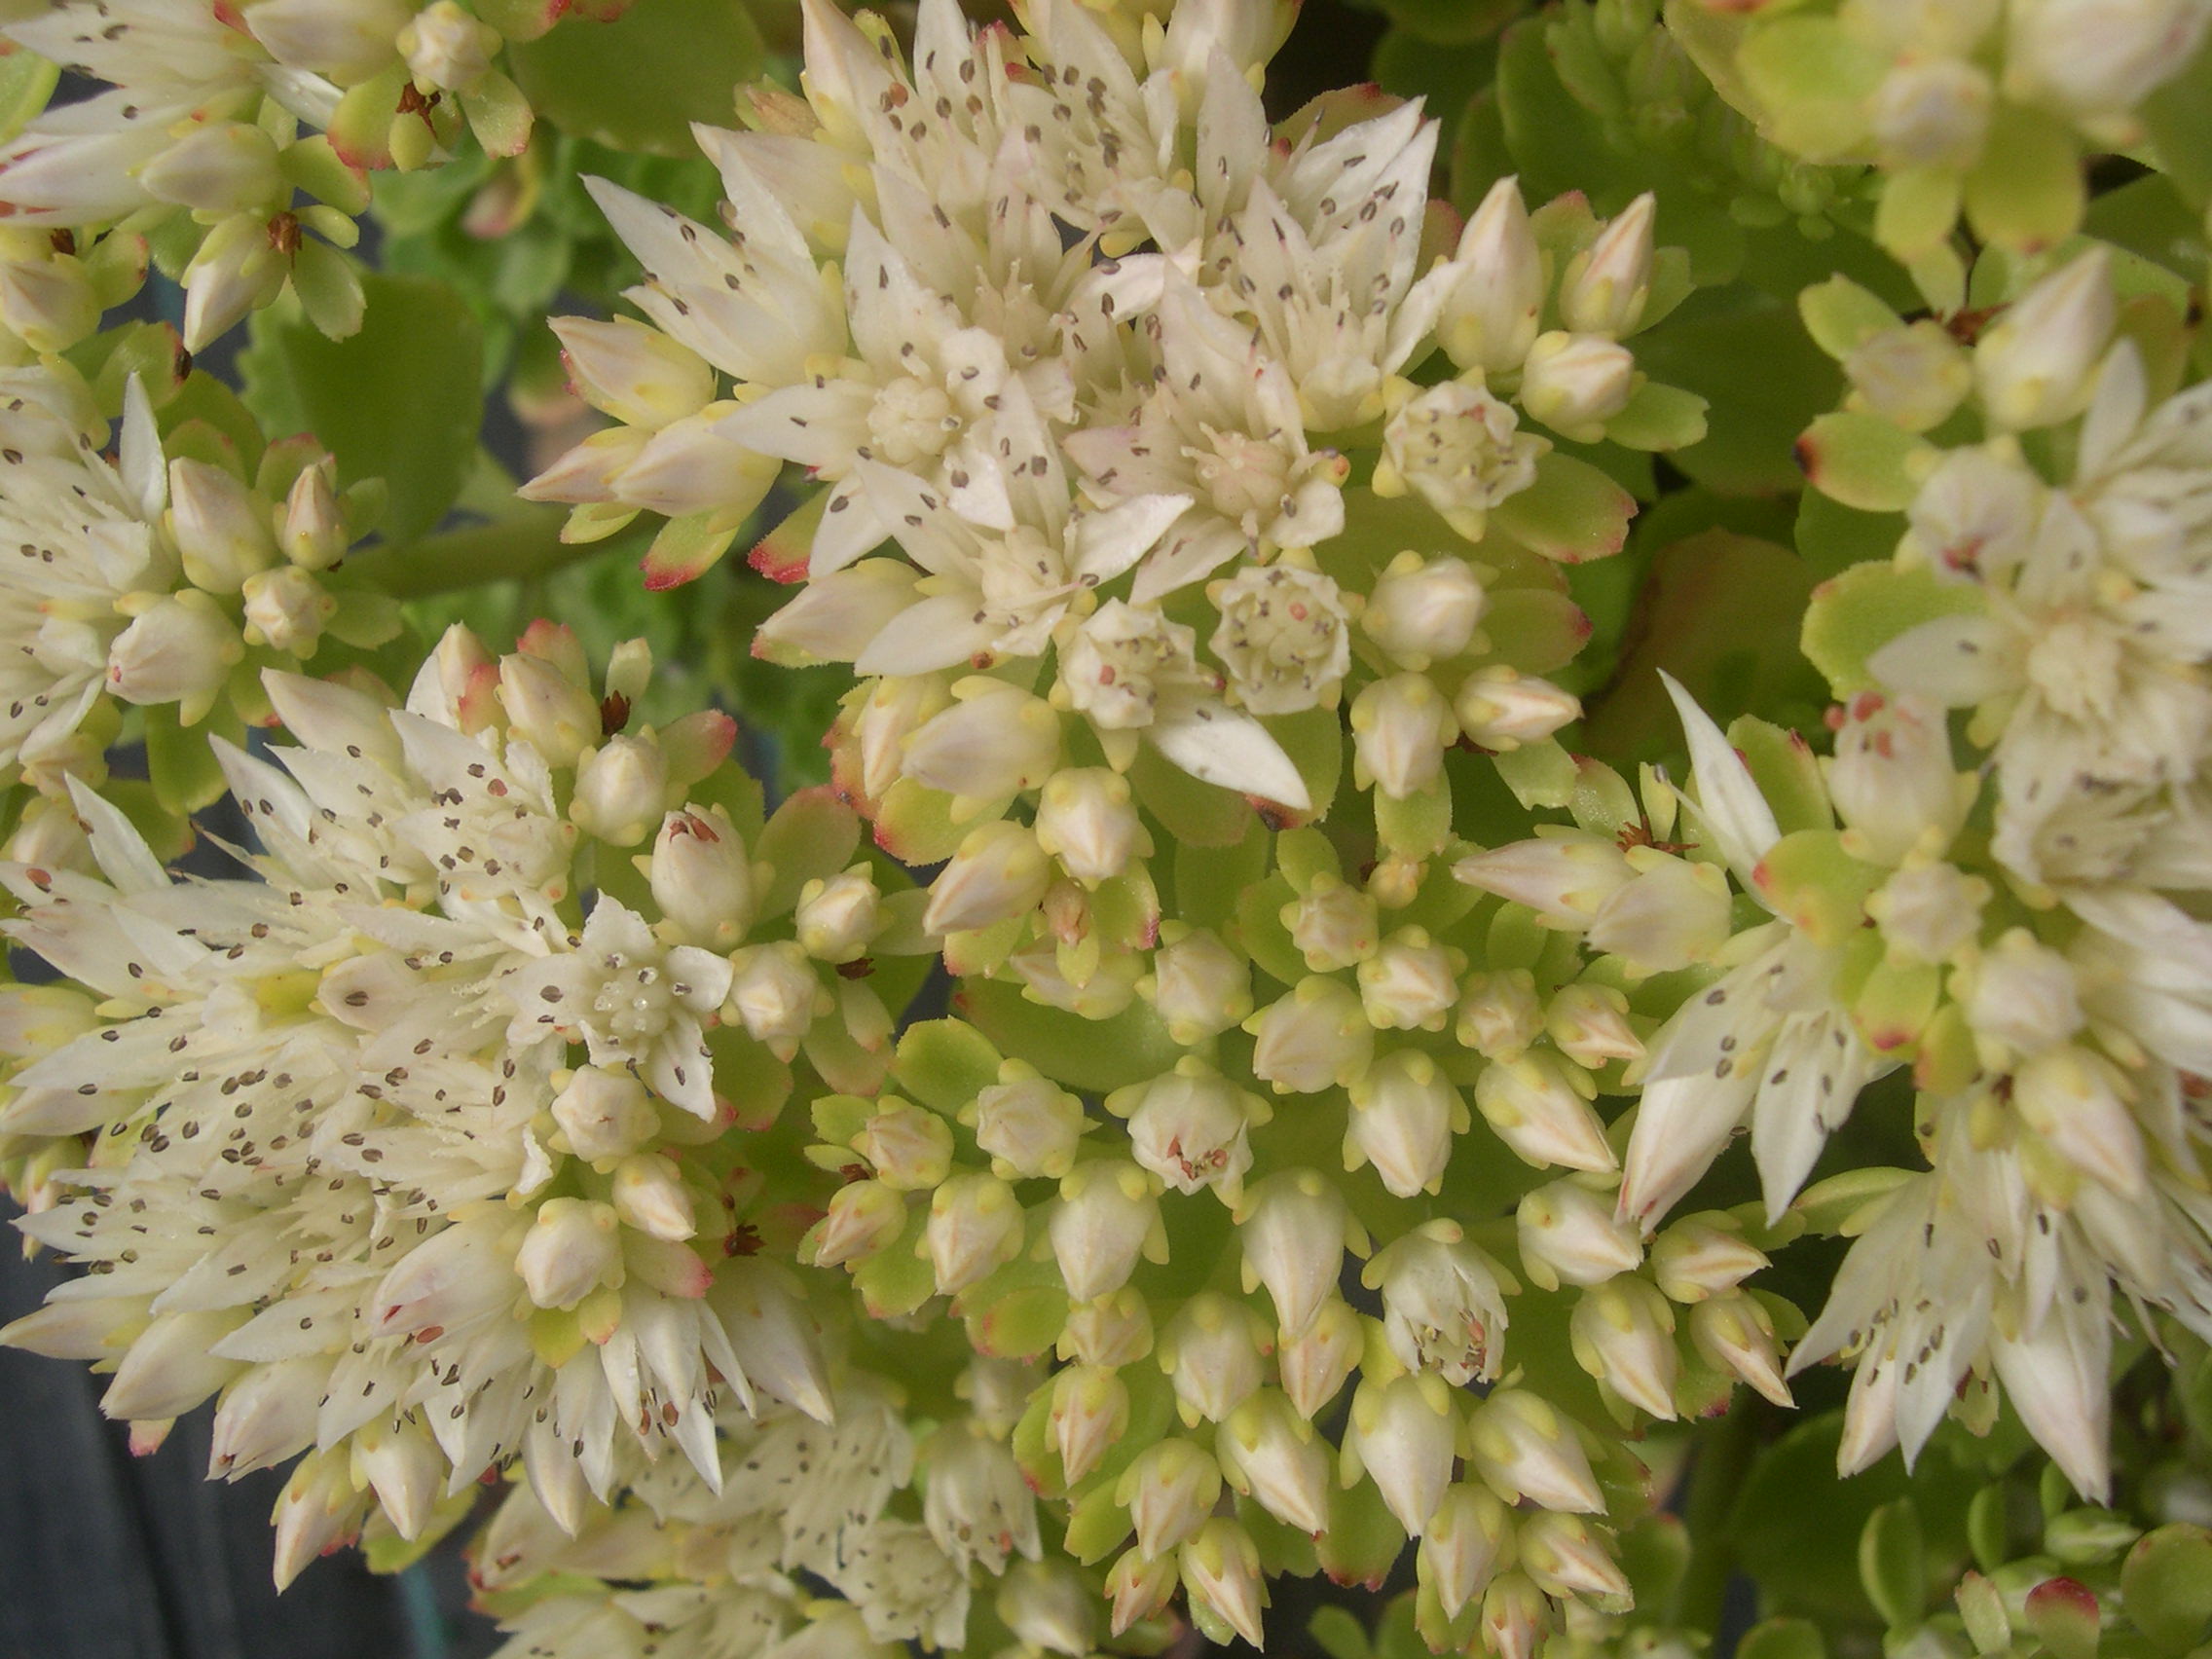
(912, 421)
(2076, 665)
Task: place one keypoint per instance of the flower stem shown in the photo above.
(522, 546)
(1724, 1455)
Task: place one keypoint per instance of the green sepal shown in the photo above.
(1337, 1634)
(1093, 1054)
(1919, 206)
(1417, 826)
(1539, 774)
(1536, 630)
(2089, 1535)
(638, 82)
(1845, 1205)
(1572, 513)
(1782, 1639)
(312, 164)
(2167, 1582)
(1786, 770)
(1659, 417)
(27, 82)
(387, 1552)
(1840, 315)
(1261, 932)
(915, 823)
(1893, 1566)
(361, 132)
(1096, 1525)
(839, 1117)
(1863, 461)
(1303, 855)
(1363, 1541)
(1817, 886)
(1989, 1526)
(812, 837)
(1855, 614)
(2028, 191)
(180, 761)
(945, 1063)
(1811, 77)
(896, 1280)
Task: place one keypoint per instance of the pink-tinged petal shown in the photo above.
(1188, 554)
(834, 617)
(1958, 661)
(1219, 744)
(1741, 822)
(688, 466)
(937, 633)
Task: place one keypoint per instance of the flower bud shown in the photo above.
(773, 992)
(1500, 710)
(1091, 1412)
(319, 1508)
(1403, 1117)
(1735, 1336)
(975, 1229)
(223, 168)
(1169, 1491)
(1269, 1454)
(1409, 983)
(1623, 1334)
(909, 1148)
(2076, 1101)
(1086, 819)
(552, 712)
(992, 744)
(2020, 998)
(1565, 1555)
(1293, 1232)
(407, 1470)
(1200, 987)
(1538, 1105)
(1029, 1126)
(621, 790)
(1500, 1015)
(1926, 912)
(1693, 1259)
(1443, 1309)
(702, 877)
(1318, 1360)
(1423, 610)
(1400, 728)
(1333, 923)
(864, 1218)
(838, 918)
(1468, 1535)
(604, 1113)
(570, 1251)
(234, 272)
(1589, 1024)
(2098, 56)
(1314, 1037)
(1525, 1448)
(448, 49)
(634, 373)
(1221, 1571)
(651, 1197)
(48, 304)
(1915, 377)
(1488, 320)
(1048, 1608)
(1606, 284)
(287, 609)
(1565, 878)
(1672, 914)
(1191, 1127)
(1891, 780)
(1516, 1617)
(178, 648)
(1569, 1235)
(977, 1506)
(999, 1391)
(220, 527)
(1114, 1331)
(1138, 1586)
(1213, 1352)
(267, 1416)
(1403, 1434)
(999, 872)
(1575, 383)
(1106, 1218)
(2037, 363)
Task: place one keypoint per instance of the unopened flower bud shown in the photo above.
(1606, 284)
(1524, 1447)
(1565, 1555)
(178, 648)
(2021, 998)
(1212, 1350)
(1565, 878)
(267, 1416)
(1086, 819)
(998, 873)
(1569, 1235)
(1189, 1127)
(1443, 1308)
(774, 994)
(621, 790)
(406, 1468)
(2099, 57)
(1623, 1334)
(1107, 1217)
(1409, 983)
(975, 1227)
(2076, 1101)
(1050, 1609)
(1320, 1359)
(1403, 1117)
(1674, 913)
(1293, 1232)
(1029, 1126)
(318, 1507)
(1499, 1014)
(1930, 112)
(223, 168)
(1925, 912)
(1200, 987)
(1170, 1491)
(651, 1197)
(1400, 728)
(634, 373)
(1891, 778)
(993, 742)
(2037, 363)
(1333, 923)
(1269, 1454)
(1091, 1412)
(1575, 383)
(287, 609)
(1221, 1571)
(220, 527)
(1489, 320)
(1693, 1259)
(555, 715)
(1590, 1026)
(1423, 610)
(572, 1249)
(1314, 1037)
(1735, 1336)
(864, 1218)
(1539, 1106)
(48, 304)
(1467, 1534)
(604, 1113)
(1914, 376)
(1139, 1587)
(838, 918)
(702, 877)
(448, 49)
(1404, 1434)
(909, 1147)
(1112, 1332)
(1501, 710)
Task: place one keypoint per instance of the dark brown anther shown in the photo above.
(613, 714)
